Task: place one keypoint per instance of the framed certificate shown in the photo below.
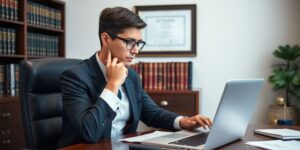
(170, 31)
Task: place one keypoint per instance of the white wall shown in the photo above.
(235, 39)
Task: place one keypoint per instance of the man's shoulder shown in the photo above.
(78, 69)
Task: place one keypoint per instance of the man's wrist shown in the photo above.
(177, 123)
(112, 86)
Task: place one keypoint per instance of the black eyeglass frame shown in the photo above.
(127, 41)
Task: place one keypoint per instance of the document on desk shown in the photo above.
(276, 144)
(145, 136)
(285, 134)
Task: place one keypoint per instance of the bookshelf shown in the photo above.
(29, 29)
(169, 84)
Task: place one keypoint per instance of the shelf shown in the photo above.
(4, 99)
(171, 91)
(11, 22)
(12, 56)
(37, 27)
(42, 57)
(50, 2)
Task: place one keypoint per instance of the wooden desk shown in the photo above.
(237, 145)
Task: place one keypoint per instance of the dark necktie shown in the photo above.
(119, 94)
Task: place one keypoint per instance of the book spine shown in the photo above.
(16, 9)
(190, 75)
(186, 72)
(155, 76)
(173, 79)
(7, 79)
(164, 74)
(17, 78)
(150, 76)
(13, 42)
(2, 15)
(1, 41)
(2, 68)
(5, 39)
(12, 80)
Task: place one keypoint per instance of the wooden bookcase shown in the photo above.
(52, 33)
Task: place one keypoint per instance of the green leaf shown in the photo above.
(287, 52)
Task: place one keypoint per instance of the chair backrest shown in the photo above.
(41, 100)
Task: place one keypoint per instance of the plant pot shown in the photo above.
(277, 113)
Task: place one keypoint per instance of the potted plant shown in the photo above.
(286, 75)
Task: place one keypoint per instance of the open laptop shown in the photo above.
(230, 123)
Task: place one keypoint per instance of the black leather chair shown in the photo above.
(41, 100)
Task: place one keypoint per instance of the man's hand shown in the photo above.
(191, 123)
(116, 73)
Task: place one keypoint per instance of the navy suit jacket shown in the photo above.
(88, 118)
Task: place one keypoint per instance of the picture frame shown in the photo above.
(171, 30)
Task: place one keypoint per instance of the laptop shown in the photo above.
(234, 112)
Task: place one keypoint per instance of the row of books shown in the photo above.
(43, 15)
(9, 79)
(9, 9)
(165, 75)
(7, 41)
(42, 44)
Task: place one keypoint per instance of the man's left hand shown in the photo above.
(190, 123)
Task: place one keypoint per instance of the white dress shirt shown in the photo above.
(121, 107)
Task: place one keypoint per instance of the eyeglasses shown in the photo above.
(130, 43)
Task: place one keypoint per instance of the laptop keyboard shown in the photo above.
(194, 140)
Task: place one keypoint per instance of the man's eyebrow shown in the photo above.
(133, 39)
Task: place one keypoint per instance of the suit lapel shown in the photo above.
(96, 74)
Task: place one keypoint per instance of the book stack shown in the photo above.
(165, 75)
(7, 41)
(9, 80)
(43, 15)
(9, 9)
(42, 45)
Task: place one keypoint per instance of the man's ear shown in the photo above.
(105, 38)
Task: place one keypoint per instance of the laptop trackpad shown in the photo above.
(194, 140)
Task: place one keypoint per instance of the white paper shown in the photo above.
(276, 144)
(281, 132)
(145, 136)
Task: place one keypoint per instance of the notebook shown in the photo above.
(284, 134)
(232, 117)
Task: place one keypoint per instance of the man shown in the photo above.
(103, 96)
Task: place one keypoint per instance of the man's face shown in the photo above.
(119, 48)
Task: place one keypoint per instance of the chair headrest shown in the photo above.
(46, 72)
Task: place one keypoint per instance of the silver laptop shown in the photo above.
(232, 117)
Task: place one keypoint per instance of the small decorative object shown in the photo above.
(279, 101)
(275, 121)
(284, 121)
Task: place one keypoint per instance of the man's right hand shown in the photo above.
(116, 73)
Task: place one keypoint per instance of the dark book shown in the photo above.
(12, 80)
(17, 78)
(190, 75)
(13, 41)
(7, 80)
(5, 43)
(1, 41)
(2, 68)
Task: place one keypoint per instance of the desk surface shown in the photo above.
(237, 145)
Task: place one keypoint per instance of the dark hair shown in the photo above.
(114, 20)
